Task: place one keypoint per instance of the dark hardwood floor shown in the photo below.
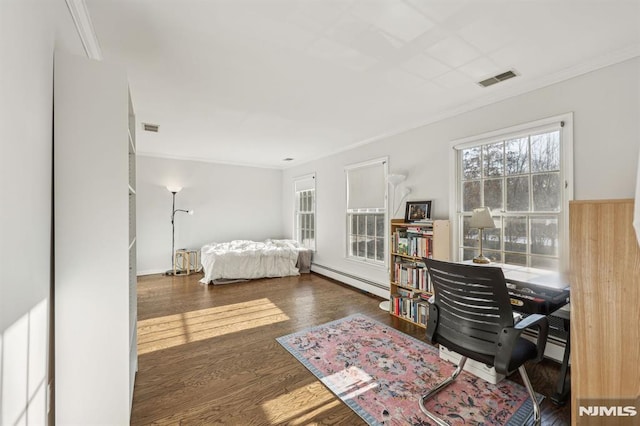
(208, 354)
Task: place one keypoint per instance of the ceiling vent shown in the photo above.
(150, 127)
(497, 78)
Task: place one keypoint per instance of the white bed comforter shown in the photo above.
(249, 259)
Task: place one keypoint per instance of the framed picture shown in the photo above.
(417, 211)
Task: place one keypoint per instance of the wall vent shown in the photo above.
(147, 127)
(497, 78)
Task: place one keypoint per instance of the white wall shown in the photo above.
(230, 202)
(26, 55)
(606, 142)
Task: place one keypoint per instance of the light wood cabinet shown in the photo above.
(409, 280)
(605, 304)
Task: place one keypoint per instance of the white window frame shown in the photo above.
(297, 212)
(384, 162)
(565, 123)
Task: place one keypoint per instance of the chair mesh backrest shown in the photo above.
(473, 304)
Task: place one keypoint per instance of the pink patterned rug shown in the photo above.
(380, 373)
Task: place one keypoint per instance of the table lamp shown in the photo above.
(481, 219)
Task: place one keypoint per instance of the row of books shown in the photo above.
(412, 243)
(412, 306)
(412, 274)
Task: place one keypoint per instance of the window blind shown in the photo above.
(305, 183)
(366, 187)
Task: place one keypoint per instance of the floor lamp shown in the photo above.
(174, 190)
(394, 180)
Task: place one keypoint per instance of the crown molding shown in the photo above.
(609, 59)
(84, 26)
(206, 160)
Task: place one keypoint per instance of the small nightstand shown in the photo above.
(186, 262)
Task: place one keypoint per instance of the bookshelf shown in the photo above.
(409, 280)
(95, 242)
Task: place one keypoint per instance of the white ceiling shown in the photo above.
(255, 81)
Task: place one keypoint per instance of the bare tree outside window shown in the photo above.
(366, 236)
(519, 179)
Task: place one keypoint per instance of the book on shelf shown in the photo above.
(403, 243)
(411, 274)
(412, 308)
(426, 296)
(411, 288)
(422, 312)
(420, 246)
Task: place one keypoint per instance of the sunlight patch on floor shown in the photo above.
(300, 406)
(350, 382)
(173, 330)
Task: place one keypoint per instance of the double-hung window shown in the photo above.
(366, 211)
(522, 174)
(305, 210)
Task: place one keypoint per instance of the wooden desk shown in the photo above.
(532, 290)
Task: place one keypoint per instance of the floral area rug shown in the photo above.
(380, 373)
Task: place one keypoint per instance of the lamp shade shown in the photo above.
(395, 179)
(174, 188)
(481, 218)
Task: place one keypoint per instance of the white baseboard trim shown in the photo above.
(351, 280)
(151, 272)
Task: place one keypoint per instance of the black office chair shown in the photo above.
(472, 315)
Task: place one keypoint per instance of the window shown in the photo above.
(366, 211)
(522, 176)
(305, 211)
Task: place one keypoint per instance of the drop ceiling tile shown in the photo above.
(480, 69)
(340, 54)
(453, 79)
(425, 66)
(324, 13)
(363, 37)
(321, 75)
(453, 51)
(403, 80)
(393, 17)
(487, 35)
(438, 11)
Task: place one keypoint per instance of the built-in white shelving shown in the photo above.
(95, 242)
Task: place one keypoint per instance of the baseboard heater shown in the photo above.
(364, 284)
(557, 335)
(557, 339)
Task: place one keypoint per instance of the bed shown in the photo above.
(245, 259)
